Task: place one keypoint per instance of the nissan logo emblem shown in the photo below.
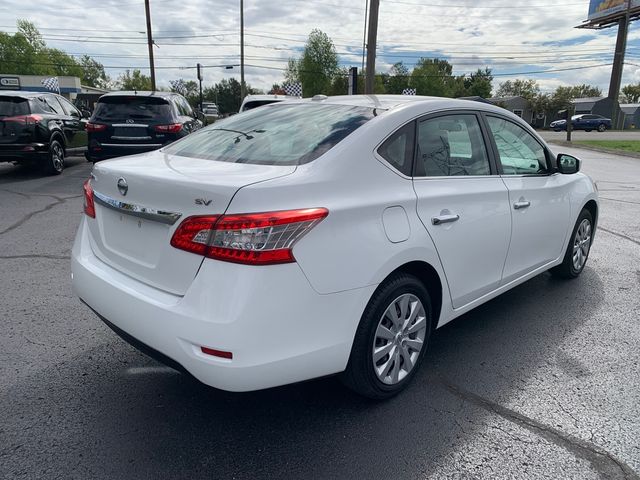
(123, 188)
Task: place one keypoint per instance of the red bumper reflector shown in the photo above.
(216, 353)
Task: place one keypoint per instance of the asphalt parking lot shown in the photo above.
(542, 382)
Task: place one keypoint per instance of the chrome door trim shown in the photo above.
(118, 137)
(140, 125)
(168, 218)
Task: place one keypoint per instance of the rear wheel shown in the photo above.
(575, 257)
(602, 127)
(391, 340)
(55, 159)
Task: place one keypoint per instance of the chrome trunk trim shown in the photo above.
(168, 218)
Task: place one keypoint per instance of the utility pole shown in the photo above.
(364, 34)
(242, 85)
(199, 67)
(618, 64)
(371, 47)
(150, 42)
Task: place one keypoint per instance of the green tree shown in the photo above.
(134, 80)
(189, 89)
(562, 96)
(433, 76)
(528, 89)
(479, 83)
(318, 64)
(93, 74)
(397, 79)
(226, 94)
(291, 73)
(631, 93)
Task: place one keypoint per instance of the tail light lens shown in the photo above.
(172, 128)
(252, 239)
(89, 205)
(96, 127)
(26, 119)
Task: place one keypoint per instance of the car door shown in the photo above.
(75, 124)
(538, 198)
(462, 202)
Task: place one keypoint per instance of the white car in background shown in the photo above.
(325, 236)
(254, 101)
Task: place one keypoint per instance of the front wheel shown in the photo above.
(575, 257)
(391, 339)
(602, 127)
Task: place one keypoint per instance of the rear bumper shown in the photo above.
(23, 151)
(277, 327)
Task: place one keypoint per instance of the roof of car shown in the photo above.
(20, 93)
(138, 93)
(389, 102)
(270, 97)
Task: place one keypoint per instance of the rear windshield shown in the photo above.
(257, 103)
(12, 106)
(121, 108)
(280, 134)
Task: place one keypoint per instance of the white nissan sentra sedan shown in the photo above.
(325, 236)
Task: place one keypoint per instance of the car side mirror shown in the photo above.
(86, 114)
(568, 164)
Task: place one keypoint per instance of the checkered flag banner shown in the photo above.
(409, 91)
(51, 84)
(293, 89)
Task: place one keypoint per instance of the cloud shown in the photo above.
(518, 38)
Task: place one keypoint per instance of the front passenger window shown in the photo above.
(520, 153)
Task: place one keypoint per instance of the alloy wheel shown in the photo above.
(581, 244)
(57, 157)
(399, 339)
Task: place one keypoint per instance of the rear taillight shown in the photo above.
(89, 205)
(253, 238)
(171, 128)
(96, 127)
(26, 119)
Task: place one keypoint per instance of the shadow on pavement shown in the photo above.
(99, 421)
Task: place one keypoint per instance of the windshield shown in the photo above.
(279, 134)
(121, 108)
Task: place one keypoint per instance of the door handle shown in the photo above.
(444, 219)
(522, 204)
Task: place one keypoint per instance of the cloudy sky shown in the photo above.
(513, 37)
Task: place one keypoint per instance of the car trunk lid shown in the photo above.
(134, 224)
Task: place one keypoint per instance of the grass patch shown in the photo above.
(623, 145)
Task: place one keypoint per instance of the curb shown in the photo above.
(612, 151)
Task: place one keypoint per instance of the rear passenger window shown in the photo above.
(451, 145)
(398, 149)
(520, 153)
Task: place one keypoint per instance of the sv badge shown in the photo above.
(202, 201)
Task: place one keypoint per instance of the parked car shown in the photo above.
(326, 236)
(126, 123)
(585, 122)
(211, 112)
(40, 129)
(254, 101)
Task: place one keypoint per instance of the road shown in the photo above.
(542, 382)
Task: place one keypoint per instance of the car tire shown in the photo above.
(575, 258)
(602, 127)
(55, 159)
(396, 324)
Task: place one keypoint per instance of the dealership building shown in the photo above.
(70, 87)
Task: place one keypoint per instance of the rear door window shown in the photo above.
(137, 108)
(451, 146)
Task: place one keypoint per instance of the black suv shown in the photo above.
(125, 123)
(39, 128)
